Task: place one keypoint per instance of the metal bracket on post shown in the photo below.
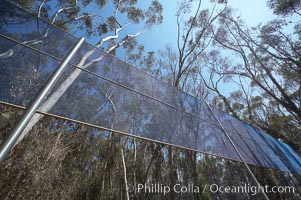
(8, 144)
(237, 151)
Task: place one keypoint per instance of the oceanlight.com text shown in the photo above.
(212, 188)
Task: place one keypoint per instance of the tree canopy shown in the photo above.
(253, 73)
(285, 7)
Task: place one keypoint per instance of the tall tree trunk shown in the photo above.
(172, 173)
(125, 176)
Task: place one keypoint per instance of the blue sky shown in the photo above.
(251, 11)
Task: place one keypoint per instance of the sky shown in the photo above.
(251, 11)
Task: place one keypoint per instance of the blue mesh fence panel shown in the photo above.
(110, 93)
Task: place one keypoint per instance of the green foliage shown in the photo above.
(134, 14)
(103, 29)
(112, 23)
(266, 69)
(106, 20)
(285, 7)
(153, 14)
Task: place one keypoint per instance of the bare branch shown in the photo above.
(123, 41)
(58, 12)
(111, 37)
(40, 8)
(85, 16)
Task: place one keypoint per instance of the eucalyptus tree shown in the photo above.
(267, 70)
(284, 7)
(180, 65)
(90, 19)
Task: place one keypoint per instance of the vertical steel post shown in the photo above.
(237, 151)
(8, 144)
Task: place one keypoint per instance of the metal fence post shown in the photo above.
(8, 144)
(237, 151)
